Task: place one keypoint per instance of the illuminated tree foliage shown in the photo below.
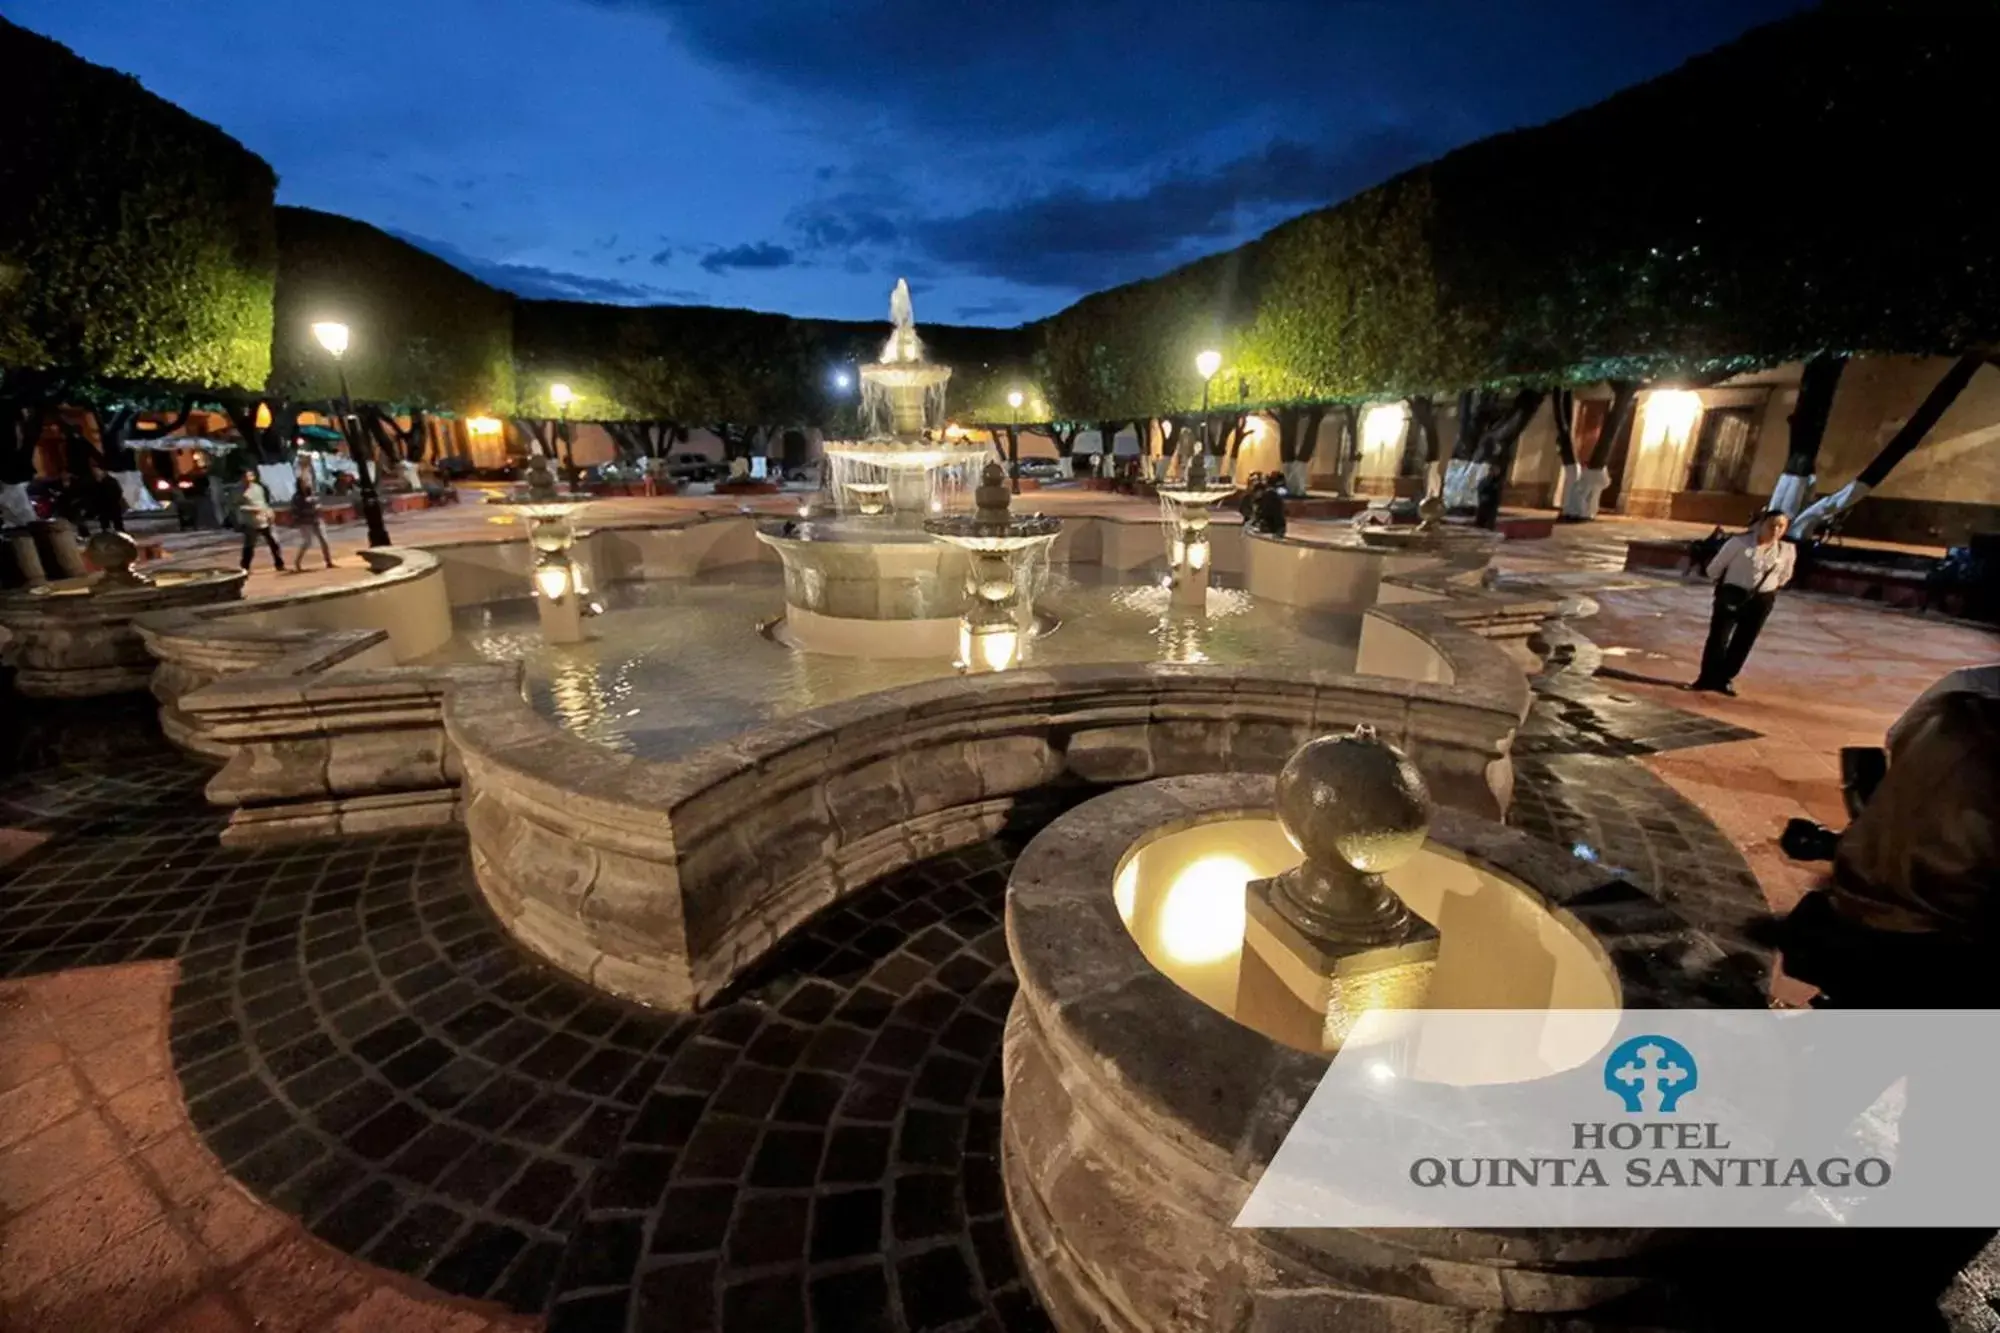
(136, 242)
(425, 336)
(1714, 220)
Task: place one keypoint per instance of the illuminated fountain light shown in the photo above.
(1184, 513)
(999, 612)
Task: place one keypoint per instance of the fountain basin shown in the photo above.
(74, 639)
(867, 587)
(1138, 1116)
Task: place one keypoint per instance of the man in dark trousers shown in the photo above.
(1748, 571)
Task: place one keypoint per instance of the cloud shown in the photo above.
(761, 255)
(843, 221)
(663, 258)
(990, 309)
(537, 282)
(1076, 239)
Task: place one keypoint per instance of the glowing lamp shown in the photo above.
(1197, 553)
(482, 427)
(1015, 399)
(998, 648)
(1201, 917)
(561, 395)
(1208, 363)
(1177, 553)
(1671, 413)
(263, 416)
(332, 336)
(552, 581)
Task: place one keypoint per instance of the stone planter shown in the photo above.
(1137, 1119)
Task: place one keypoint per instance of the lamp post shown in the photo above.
(1207, 363)
(333, 337)
(1014, 401)
(561, 395)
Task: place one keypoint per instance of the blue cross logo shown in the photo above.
(1650, 1064)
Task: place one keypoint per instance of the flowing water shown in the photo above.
(678, 663)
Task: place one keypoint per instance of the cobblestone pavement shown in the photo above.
(360, 1045)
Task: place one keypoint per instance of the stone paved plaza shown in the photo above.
(318, 1086)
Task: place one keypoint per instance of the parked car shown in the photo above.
(1040, 468)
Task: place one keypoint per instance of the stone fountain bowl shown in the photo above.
(967, 531)
(906, 375)
(1211, 495)
(1138, 1113)
(909, 453)
(73, 638)
(1435, 539)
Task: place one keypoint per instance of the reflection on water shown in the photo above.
(1182, 897)
(678, 663)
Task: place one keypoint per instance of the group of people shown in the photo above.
(1262, 504)
(256, 517)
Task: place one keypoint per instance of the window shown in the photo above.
(1723, 449)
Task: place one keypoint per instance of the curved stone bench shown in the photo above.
(1138, 1119)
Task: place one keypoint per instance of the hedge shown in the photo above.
(423, 335)
(1805, 188)
(136, 242)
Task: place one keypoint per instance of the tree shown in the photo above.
(1817, 385)
(1911, 434)
(646, 439)
(1495, 454)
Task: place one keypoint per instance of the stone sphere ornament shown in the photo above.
(1354, 800)
(1356, 807)
(115, 553)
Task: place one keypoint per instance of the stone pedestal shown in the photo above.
(561, 617)
(1190, 590)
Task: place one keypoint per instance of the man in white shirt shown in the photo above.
(1748, 571)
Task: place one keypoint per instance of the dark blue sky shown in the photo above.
(799, 155)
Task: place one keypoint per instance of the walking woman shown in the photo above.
(253, 516)
(306, 518)
(1748, 571)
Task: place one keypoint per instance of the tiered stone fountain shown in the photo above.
(1184, 512)
(869, 580)
(999, 616)
(562, 599)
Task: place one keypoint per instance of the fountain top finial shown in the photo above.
(1353, 803)
(903, 344)
(1197, 472)
(992, 501)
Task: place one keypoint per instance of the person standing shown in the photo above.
(306, 518)
(1748, 571)
(107, 498)
(254, 517)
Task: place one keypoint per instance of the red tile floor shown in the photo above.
(115, 1219)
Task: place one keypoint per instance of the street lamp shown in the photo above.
(1014, 400)
(333, 337)
(562, 396)
(1207, 363)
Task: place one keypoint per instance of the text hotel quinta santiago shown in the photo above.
(1687, 1155)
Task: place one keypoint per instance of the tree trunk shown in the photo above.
(1107, 445)
(21, 418)
(1815, 405)
(1564, 407)
(1349, 458)
(1420, 445)
(1934, 406)
(1498, 447)
(1614, 444)
(1899, 447)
